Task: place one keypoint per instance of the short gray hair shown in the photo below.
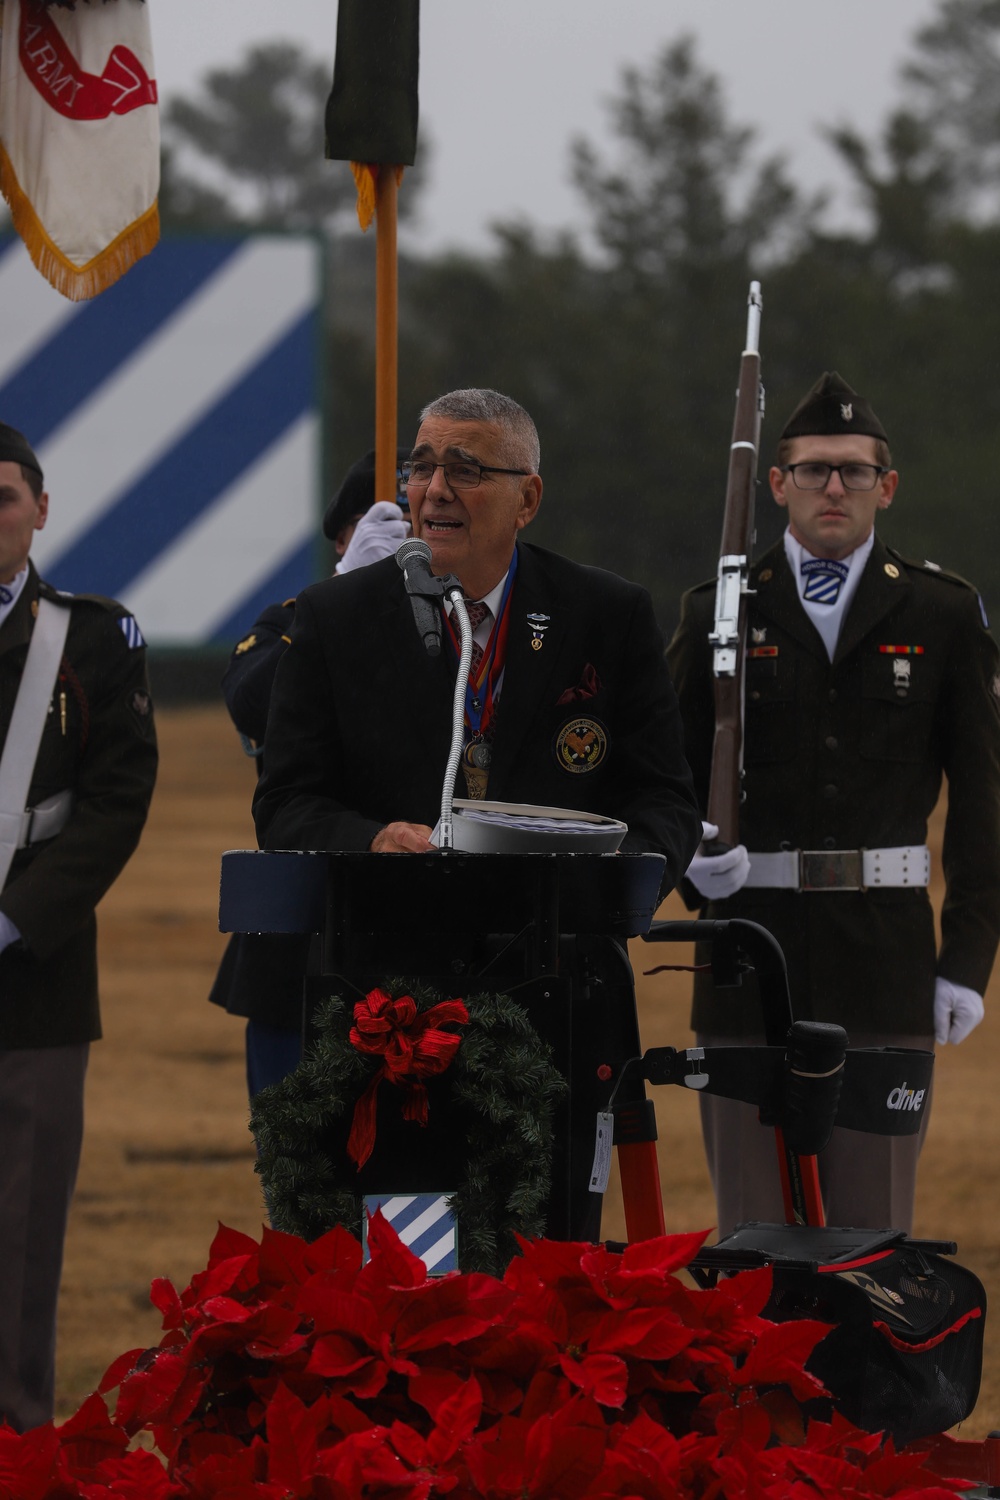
(479, 404)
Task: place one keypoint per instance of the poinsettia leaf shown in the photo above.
(89, 1436)
(644, 1460)
(332, 1310)
(455, 1421)
(225, 1310)
(138, 1475)
(549, 1261)
(603, 1376)
(229, 1243)
(337, 1252)
(749, 1291)
(670, 1252)
(31, 1463)
(165, 1298)
(890, 1473)
(644, 1332)
(564, 1451)
(335, 1356)
(217, 1280)
(778, 1357)
(366, 1464)
(451, 1310)
(283, 1259)
(748, 1424)
(167, 1392)
(121, 1368)
(391, 1263)
(293, 1431)
(432, 1387)
(788, 1422)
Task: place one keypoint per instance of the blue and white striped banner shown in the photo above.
(176, 418)
(423, 1222)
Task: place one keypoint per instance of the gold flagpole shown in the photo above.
(386, 333)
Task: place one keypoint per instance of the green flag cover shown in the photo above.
(371, 114)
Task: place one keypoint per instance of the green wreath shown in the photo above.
(502, 1074)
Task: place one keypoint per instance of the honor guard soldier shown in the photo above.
(261, 974)
(77, 767)
(869, 677)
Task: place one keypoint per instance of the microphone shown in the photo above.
(414, 558)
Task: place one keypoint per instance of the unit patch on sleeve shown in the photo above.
(129, 627)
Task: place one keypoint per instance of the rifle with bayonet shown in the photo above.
(728, 636)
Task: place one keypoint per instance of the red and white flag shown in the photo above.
(80, 138)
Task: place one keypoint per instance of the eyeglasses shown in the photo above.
(459, 474)
(817, 476)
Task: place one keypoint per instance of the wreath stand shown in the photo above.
(548, 930)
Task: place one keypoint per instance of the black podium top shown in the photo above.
(613, 895)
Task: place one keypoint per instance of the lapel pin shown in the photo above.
(538, 625)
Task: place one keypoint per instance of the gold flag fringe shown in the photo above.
(365, 178)
(77, 283)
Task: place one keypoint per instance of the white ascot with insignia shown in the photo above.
(826, 586)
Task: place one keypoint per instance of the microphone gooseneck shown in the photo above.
(426, 593)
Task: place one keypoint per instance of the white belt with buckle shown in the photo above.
(840, 869)
(46, 820)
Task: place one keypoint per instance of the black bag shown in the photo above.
(906, 1349)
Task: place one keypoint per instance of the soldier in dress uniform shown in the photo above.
(261, 974)
(869, 677)
(76, 774)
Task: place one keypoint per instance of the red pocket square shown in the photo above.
(587, 687)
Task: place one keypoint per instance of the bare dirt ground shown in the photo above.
(168, 1153)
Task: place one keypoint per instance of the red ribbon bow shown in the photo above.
(411, 1046)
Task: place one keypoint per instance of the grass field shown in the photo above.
(168, 1154)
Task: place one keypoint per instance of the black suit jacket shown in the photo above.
(841, 755)
(360, 718)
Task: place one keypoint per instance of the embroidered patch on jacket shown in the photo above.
(244, 645)
(129, 627)
(141, 703)
(581, 745)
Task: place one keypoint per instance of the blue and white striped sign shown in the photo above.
(176, 418)
(424, 1223)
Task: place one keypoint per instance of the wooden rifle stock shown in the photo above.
(728, 637)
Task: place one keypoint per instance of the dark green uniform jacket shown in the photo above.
(850, 755)
(99, 741)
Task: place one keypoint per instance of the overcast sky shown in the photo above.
(506, 84)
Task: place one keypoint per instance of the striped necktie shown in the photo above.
(477, 614)
(824, 579)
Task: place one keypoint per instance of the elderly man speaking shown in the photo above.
(578, 707)
(570, 705)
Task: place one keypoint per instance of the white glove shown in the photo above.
(717, 876)
(957, 1011)
(377, 535)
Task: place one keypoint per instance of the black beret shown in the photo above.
(15, 449)
(831, 407)
(356, 493)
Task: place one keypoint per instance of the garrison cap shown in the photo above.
(15, 449)
(831, 407)
(356, 493)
